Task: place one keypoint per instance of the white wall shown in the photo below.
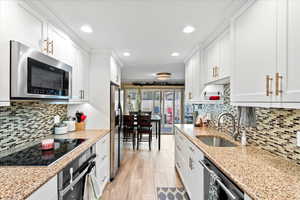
(98, 108)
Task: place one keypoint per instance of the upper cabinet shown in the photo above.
(289, 81)
(193, 78)
(80, 75)
(217, 58)
(58, 45)
(266, 45)
(17, 22)
(115, 71)
(255, 52)
(21, 23)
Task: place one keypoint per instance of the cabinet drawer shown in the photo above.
(103, 175)
(103, 148)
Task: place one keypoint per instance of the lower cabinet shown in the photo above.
(190, 170)
(102, 161)
(47, 192)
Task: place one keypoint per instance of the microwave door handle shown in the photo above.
(232, 196)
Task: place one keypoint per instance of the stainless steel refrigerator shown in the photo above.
(116, 136)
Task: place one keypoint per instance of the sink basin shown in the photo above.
(216, 141)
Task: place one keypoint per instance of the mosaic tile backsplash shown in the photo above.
(25, 122)
(276, 128)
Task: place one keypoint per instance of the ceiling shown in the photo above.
(149, 29)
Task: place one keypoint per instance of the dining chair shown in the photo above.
(144, 128)
(129, 130)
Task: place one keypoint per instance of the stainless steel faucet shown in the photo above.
(234, 133)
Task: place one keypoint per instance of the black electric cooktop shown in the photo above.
(35, 156)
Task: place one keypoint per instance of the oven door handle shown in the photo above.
(76, 180)
(232, 196)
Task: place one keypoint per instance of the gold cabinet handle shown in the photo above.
(278, 79)
(268, 85)
(51, 49)
(213, 75)
(46, 47)
(217, 71)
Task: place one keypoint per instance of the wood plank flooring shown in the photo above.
(143, 171)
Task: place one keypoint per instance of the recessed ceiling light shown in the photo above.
(175, 54)
(86, 29)
(188, 29)
(126, 54)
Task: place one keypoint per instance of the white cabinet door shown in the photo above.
(213, 61)
(193, 84)
(17, 22)
(255, 51)
(76, 75)
(225, 55)
(102, 161)
(60, 47)
(191, 171)
(195, 180)
(291, 81)
(80, 74)
(46, 192)
(85, 65)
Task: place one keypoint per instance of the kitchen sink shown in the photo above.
(216, 141)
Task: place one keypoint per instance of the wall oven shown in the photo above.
(71, 179)
(34, 75)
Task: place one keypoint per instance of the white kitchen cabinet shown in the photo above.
(17, 22)
(103, 161)
(255, 55)
(115, 71)
(265, 48)
(225, 55)
(80, 75)
(212, 61)
(46, 192)
(190, 170)
(60, 46)
(193, 78)
(217, 58)
(290, 70)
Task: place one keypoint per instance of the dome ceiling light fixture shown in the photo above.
(163, 76)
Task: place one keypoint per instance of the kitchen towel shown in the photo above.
(91, 187)
(213, 192)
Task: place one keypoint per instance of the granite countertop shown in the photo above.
(260, 174)
(17, 183)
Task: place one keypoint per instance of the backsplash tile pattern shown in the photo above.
(24, 122)
(276, 128)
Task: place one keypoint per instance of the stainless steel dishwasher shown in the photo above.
(227, 189)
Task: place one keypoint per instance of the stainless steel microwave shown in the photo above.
(34, 75)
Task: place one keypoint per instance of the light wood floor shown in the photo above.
(143, 171)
